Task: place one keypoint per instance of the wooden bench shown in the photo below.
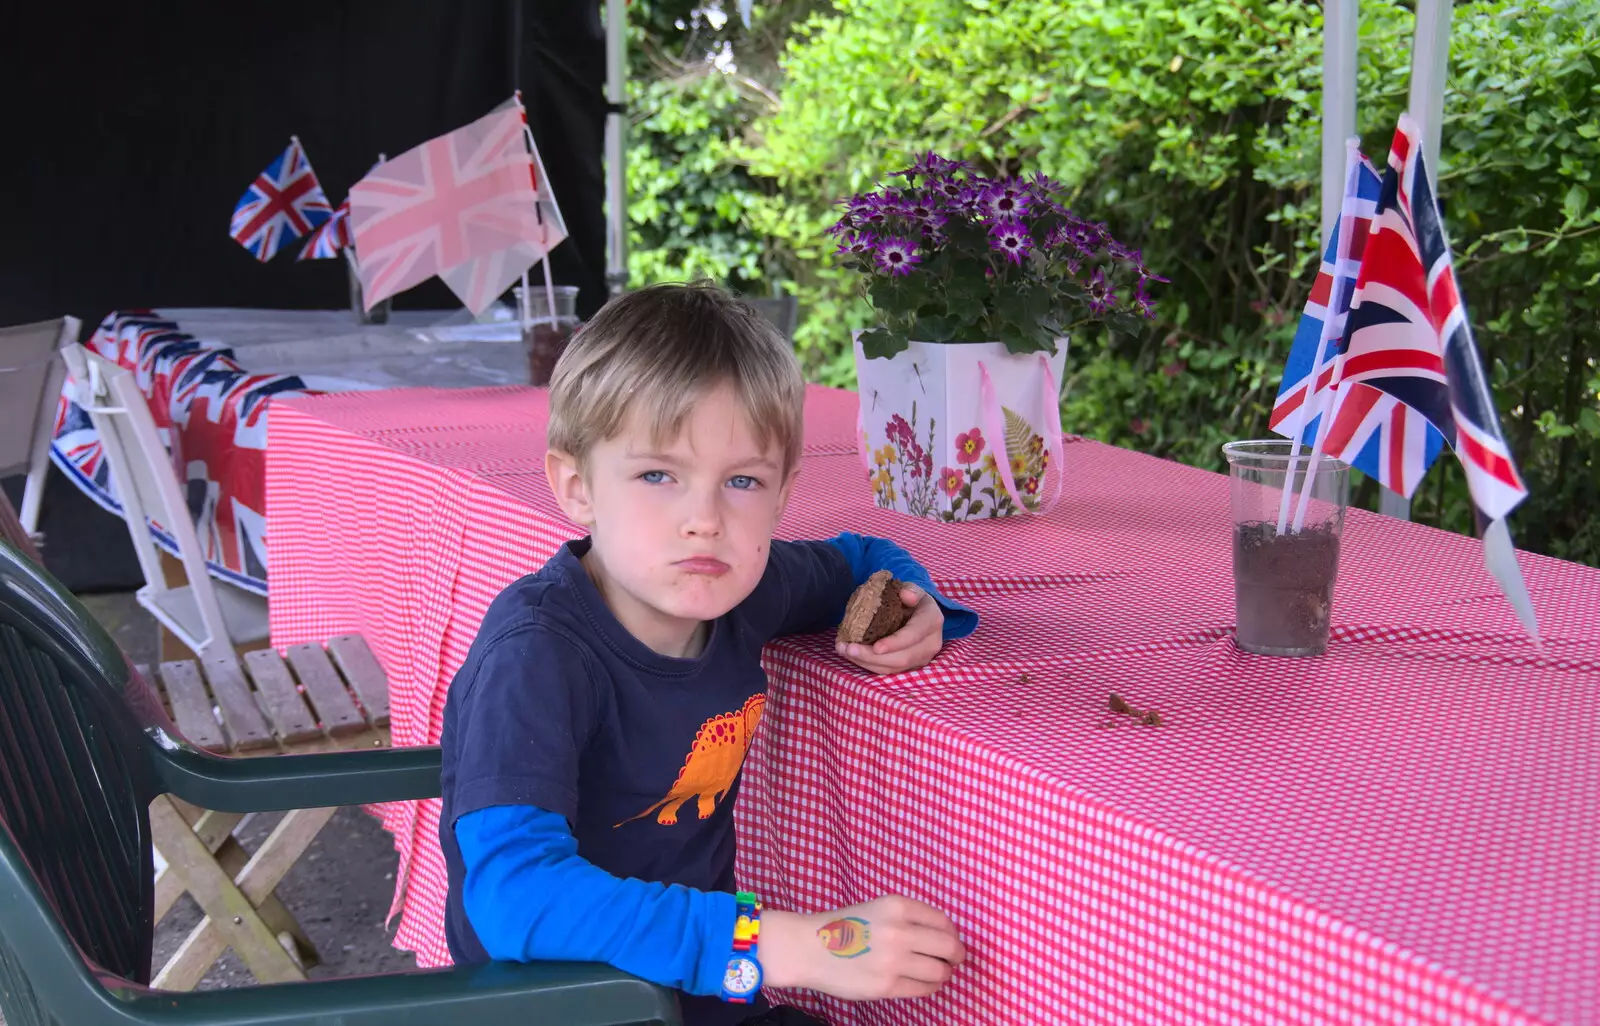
(322, 698)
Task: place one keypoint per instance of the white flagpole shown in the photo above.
(544, 259)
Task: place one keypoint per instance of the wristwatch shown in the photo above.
(742, 981)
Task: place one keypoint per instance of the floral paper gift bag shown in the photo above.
(962, 432)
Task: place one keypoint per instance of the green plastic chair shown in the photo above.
(84, 747)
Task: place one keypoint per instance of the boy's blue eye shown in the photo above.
(654, 477)
(744, 482)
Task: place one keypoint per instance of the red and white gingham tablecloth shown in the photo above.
(1406, 830)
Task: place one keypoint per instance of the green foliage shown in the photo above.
(1192, 128)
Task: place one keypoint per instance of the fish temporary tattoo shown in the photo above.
(847, 937)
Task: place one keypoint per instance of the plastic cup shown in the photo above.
(1283, 582)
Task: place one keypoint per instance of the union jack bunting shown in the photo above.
(330, 237)
(283, 203)
(211, 416)
(1383, 437)
(1407, 337)
(472, 207)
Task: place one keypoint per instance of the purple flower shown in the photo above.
(923, 207)
(1011, 240)
(1043, 185)
(930, 165)
(865, 242)
(950, 188)
(1142, 299)
(1102, 297)
(1005, 205)
(1060, 237)
(1081, 236)
(897, 256)
(971, 199)
(899, 431)
(1005, 202)
(869, 209)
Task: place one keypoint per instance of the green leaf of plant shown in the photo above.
(882, 343)
(895, 296)
(1575, 202)
(933, 329)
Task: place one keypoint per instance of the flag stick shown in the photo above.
(1352, 154)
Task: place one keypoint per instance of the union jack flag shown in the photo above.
(284, 202)
(1407, 338)
(471, 206)
(1380, 435)
(329, 237)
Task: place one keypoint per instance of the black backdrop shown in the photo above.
(131, 130)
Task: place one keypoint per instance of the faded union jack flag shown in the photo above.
(471, 207)
(1386, 439)
(1408, 339)
(283, 203)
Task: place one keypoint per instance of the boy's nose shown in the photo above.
(703, 519)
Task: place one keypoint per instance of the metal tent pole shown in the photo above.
(1430, 60)
(1340, 19)
(616, 144)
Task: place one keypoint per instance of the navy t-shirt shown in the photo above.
(555, 691)
(557, 707)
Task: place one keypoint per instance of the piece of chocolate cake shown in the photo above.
(875, 611)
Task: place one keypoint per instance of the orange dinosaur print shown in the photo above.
(713, 763)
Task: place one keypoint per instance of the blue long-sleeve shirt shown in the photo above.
(513, 832)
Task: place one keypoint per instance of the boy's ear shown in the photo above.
(568, 487)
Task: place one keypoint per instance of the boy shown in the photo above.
(594, 736)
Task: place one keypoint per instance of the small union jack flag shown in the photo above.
(1381, 436)
(1407, 338)
(284, 202)
(329, 237)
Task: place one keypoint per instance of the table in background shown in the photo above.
(210, 374)
(1401, 830)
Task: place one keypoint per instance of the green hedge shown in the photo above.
(1192, 127)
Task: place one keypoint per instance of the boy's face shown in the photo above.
(681, 530)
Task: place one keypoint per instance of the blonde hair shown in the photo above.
(660, 350)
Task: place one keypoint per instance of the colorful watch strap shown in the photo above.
(747, 925)
(746, 938)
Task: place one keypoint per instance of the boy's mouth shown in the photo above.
(703, 565)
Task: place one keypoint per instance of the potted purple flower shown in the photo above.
(976, 284)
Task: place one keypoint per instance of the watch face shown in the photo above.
(743, 977)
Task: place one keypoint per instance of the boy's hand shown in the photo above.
(893, 947)
(908, 648)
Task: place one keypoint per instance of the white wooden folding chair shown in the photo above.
(208, 616)
(30, 384)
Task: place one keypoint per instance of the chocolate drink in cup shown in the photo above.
(546, 343)
(1283, 587)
